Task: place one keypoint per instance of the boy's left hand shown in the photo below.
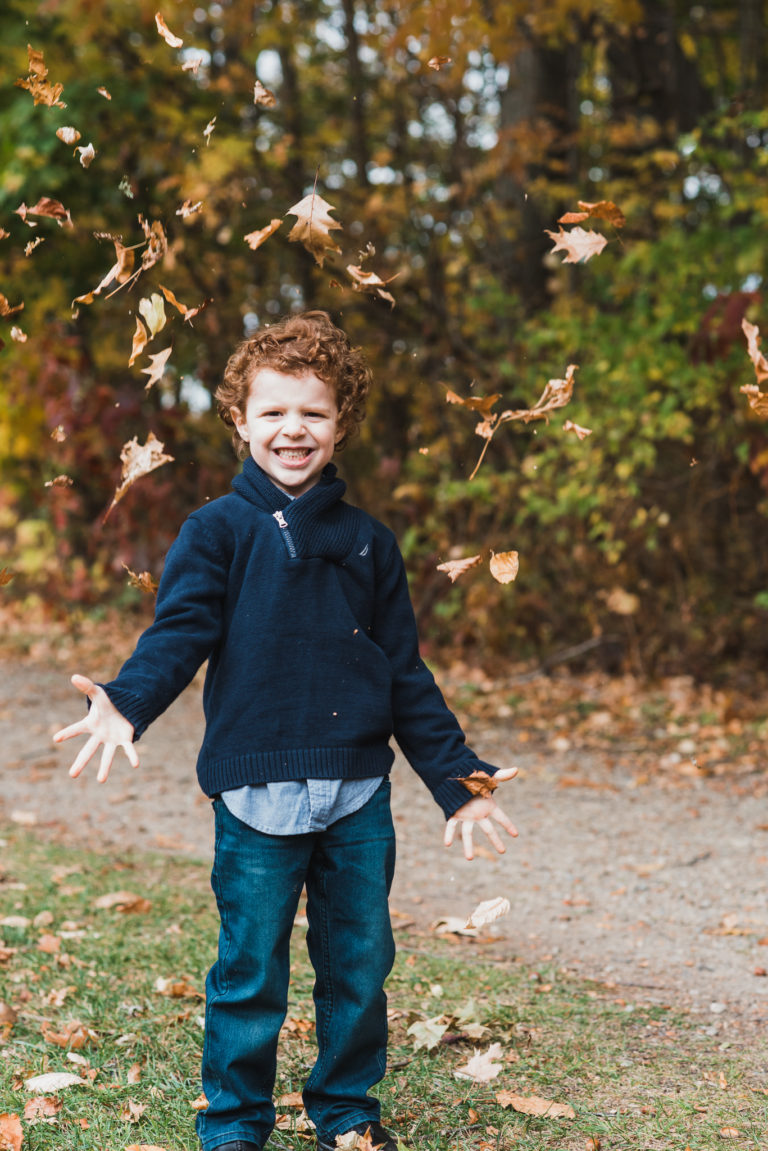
(481, 810)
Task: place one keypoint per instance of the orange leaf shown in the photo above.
(122, 900)
(5, 307)
(45, 206)
(5, 576)
(42, 1109)
(482, 404)
(256, 239)
(479, 783)
(438, 62)
(140, 341)
(73, 1035)
(582, 433)
(602, 210)
(10, 1132)
(454, 568)
(143, 582)
(37, 83)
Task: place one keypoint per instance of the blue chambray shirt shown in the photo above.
(297, 806)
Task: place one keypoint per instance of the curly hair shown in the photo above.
(296, 345)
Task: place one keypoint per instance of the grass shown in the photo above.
(639, 1078)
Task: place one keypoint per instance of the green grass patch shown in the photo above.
(639, 1078)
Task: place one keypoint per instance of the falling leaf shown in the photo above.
(125, 187)
(87, 155)
(37, 83)
(256, 239)
(582, 433)
(74, 1035)
(438, 62)
(208, 130)
(428, 1032)
(5, 307)
(30, 247)
(156, 370)
(578, 244)
(752, 333)
(11, 1133)
(3, 234)
(103, 92)
(54, 1081)
(60, 482)
(488, 911)
(263, 96)
(314, 226)
(120, 272)
(192, 65)
(535, 1105)
(18, 335)
(165, 32)
(481, 1067)
(479, 783)
(45, 206)
(189, 209)
(157, 243)
(186, 312)
(622, 602)
(127, 900)
(152, 308)
(370, 282)
(6, 575)
(758, 401)
(454, 568)
(143, 582)
(602, 210)
(41, 1109)
(68, 135)
(140, 341)
(504, 566)
(452, 925)
(482, 404)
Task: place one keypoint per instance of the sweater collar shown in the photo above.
(320, 523)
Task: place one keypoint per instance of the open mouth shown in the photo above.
(293, 455)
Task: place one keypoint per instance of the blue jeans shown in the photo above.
(257, 880)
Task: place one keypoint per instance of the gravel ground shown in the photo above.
(657, 890)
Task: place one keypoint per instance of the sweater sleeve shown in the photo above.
(425, 728)
(186, 628)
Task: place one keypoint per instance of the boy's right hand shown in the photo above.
(105, 725)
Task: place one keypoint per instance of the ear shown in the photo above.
(239, 422)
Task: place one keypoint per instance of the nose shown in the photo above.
(293, 424)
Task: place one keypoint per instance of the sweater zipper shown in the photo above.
(285, 529)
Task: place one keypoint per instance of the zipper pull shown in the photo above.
(278, 515)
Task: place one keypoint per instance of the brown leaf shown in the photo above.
(120, 272)
(186, 312)
(256, 239)
(123, 900)
(454, 568)
(103, 92)
(60, 482)
(482, 404)
(157, 243)
(189, 209)
(18, 336)
(37, 83)
(48, 207)
(370, 282)
(50, 944)
(73, 1035)
(752, 333)
(138, 460)
(582, 433)
(132, 1112)
(5, 307)
(11, 1133)
(293, 1099)
(479, 783)
(156, 370)
(535, 1105)
(177, 988)
(263, 96)
(144, 582)
(200, 1103)
(165, 32)
(87, 155)
(314, 226)
(504, 566)
(41, 1109)
(556, 394)
(140, 341)
(7, 1014)
(438, 62)
(3, 234)
(68, 135)
(601, 210)
(30, 247)
(192, 65)
(6, 575)
(208, 130)
(758, 401)
(577, 244)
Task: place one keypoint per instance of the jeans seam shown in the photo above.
(222, 958)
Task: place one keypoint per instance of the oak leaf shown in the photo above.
(601, 210)
(37, 83)
(314, 225)
(488, 911)
(171, 40)
(370, 282)
(535, 1105)
(481, 1068)
(454, 568)
(46, 206)
(138, 460)
(68, 135)
(504, 566)
(156, 369)
(255, 239)
(578, 245)
(11, 1133)
(263, 96)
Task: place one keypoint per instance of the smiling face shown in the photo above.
(290, 424)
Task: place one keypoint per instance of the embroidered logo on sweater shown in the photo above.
(364, 552)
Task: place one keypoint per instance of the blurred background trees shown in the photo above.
(448, 135)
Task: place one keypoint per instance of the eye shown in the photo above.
(316, 415)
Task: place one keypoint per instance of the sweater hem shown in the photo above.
(225, 774)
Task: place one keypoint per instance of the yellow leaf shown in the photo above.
(37, 83)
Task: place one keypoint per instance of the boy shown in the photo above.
(300, 604)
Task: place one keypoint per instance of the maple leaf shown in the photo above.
(165, 32)
(144, 581)
(535, 1105)
(454, 568)
(87, 155)
(370, 282)
(68, 135)
(138, 460)
(602, 210)
(140, 341)
(481, 1068)
(488, 911)
(152, 309)
(579, 245)
(479, 782)
(156, 369)
(5, 307)
(256, 239)
(263, 96)
(11, 1133)
(45, 206)
(37, 83)
(582, 433)
(504, 566)
(314, 226)
(752, 333)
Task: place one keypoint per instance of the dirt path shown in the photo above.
(658, 889)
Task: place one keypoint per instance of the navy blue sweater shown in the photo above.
(301, 608)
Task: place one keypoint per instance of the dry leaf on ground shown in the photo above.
(10, 1132)
(428, 1032)
(487, 911)
(535, 1105)
(121, 901)
(41, 1109)
(481, 1068)
(73, 1035)
(54, 1081)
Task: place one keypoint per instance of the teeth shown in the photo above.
(293, 453)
